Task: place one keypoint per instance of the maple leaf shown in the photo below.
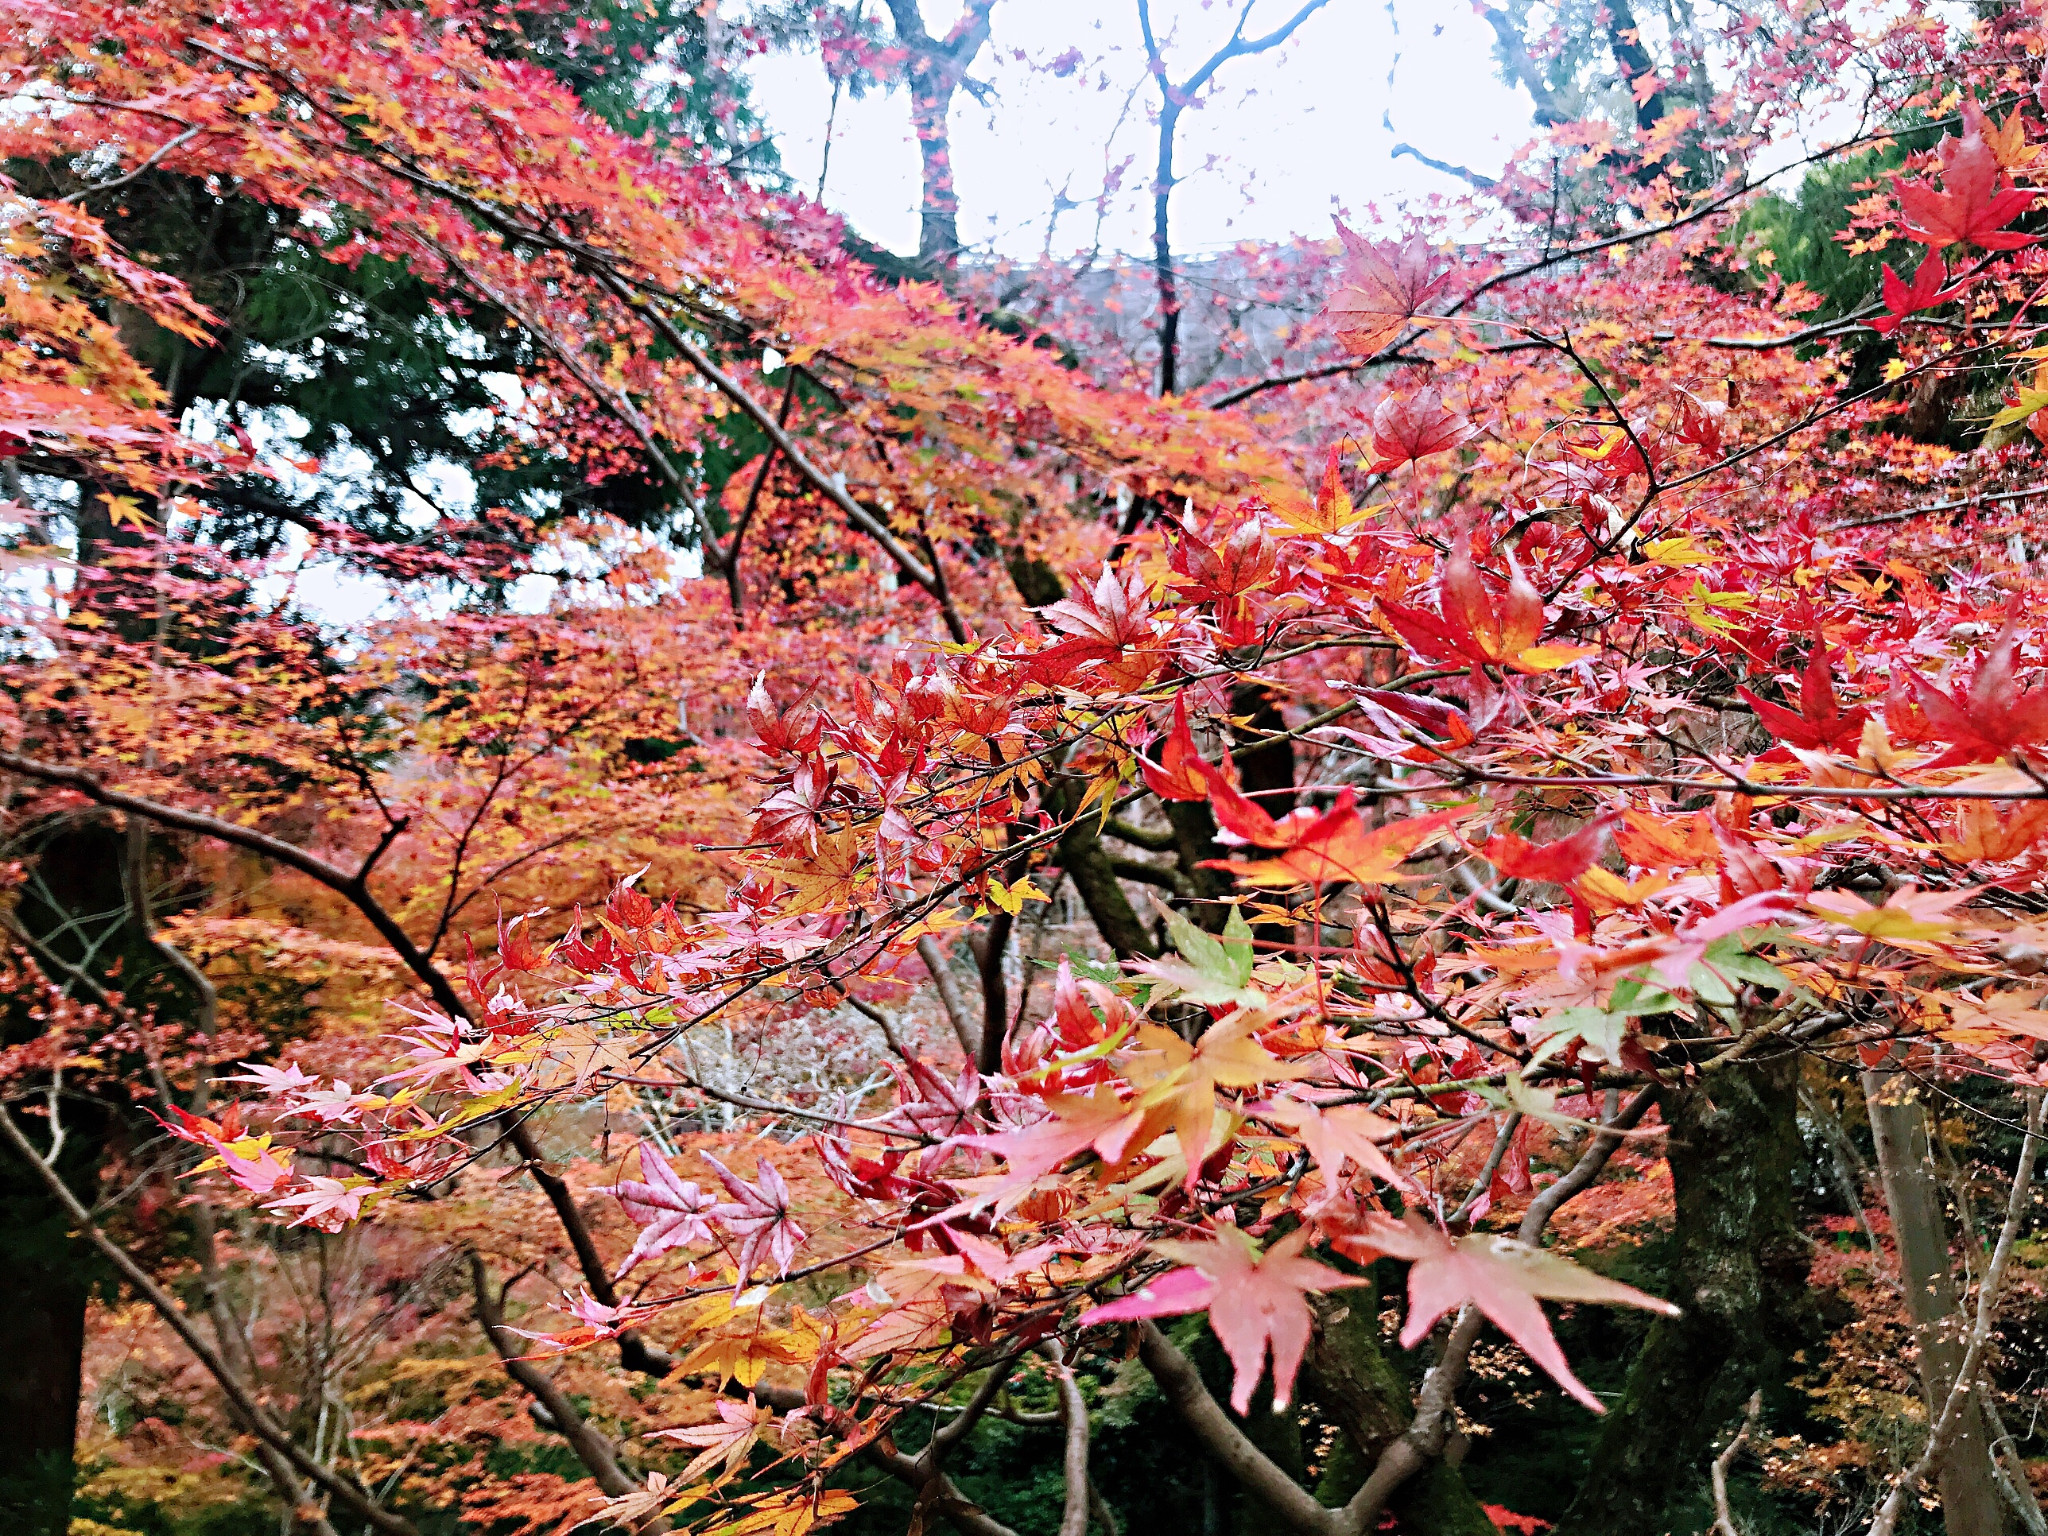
(1994, 831)
(1406, 428)
(1444, 721)
(1821, 724)
(1992, 718)
(1318, 849)
(794, 731)
(1924, 292)
(274, 1080)
(1560, 862)
(631, 1509)
(728, 1440)
(1178, 1081)
(259, 1174)
(1906, 913)
(1100, 1122)
(1182, 773)
(126, 509)
(1501, 1277)
(1109, 626)
(1256, 1302)
(1970, 207)
(671, 1213)
(1335, 1133)
(758, 1215)
(1205, 969)
(1385, 286)
(790, 1514)
(828, 879)
(794, 815)
(2007, 140)
(1473, 629)
(329, 1204)
(1649, 841)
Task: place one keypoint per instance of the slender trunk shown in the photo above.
(1162, 254)
(937, 66)
(1739, 1273)
(1971, 1504)
(938, 235)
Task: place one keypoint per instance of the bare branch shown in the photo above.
(597, 1454)
(1724, 1518)
(965, 1030)
(1425, 1438)
(1182, 1387)
(1074, 1412)
(636, 1354)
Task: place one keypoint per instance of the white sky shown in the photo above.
(1295, 134)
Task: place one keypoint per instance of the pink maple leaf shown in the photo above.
(328, 1204)
(758, 1216)
(286, 1079)
(729, 1440)
(670, 1212)
(1499, 1276)
(1255, 1301)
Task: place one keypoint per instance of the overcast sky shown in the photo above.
(1290, 137)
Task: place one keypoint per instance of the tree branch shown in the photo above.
(1724, 1517)
(965, 1030)
(1425, 1438)
(597, 1454)
(1074, 1414)
(826, 485)
(634, 1352)
(1182, 1387)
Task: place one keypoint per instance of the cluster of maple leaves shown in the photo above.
(1611, 682)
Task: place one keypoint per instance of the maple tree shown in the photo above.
(1567, 734)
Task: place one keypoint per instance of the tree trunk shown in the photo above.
(1162, 253)
(42, 1337)
(1971, 1504)
(936, 69)
(1739, 1273)
(938, 232)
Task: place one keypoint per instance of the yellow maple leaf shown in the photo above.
(828, 878)
(1178, 1081)
(127, 510)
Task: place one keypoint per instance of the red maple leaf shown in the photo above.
(1472, 628)
(1322, 848)
(1385, 286)
(1924, 292)
(1410, 427)
(1559, 863)
(1971, 205)
(1991, 719)
(1821, 724)
(1182, 773)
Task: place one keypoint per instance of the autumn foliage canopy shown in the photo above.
(1019, 859)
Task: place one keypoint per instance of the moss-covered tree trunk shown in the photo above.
(1358, 1388)
(1739, 1272)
